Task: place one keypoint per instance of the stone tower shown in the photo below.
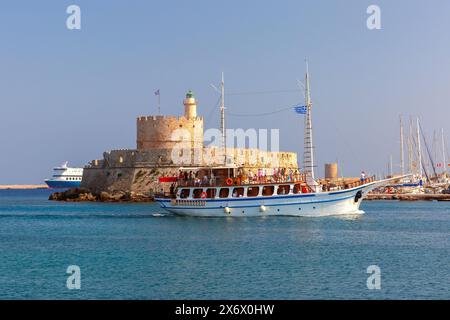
(160, 132)
(190, 105)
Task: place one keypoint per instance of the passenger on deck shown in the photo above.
(212, 180)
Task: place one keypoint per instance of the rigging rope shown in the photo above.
(261, 92)
(258, 114)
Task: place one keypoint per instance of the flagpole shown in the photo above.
(157, 93)
(444, 159)
(159, 103)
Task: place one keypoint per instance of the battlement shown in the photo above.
(160, 132)
(167, 118)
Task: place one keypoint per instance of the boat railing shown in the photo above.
(239, 181)
(359, 182)
(309, 189)
(274, 179)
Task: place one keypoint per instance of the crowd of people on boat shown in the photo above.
(257, 176)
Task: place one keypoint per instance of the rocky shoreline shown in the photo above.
(82, 195)
(409, 197)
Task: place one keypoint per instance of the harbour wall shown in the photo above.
(409, 196)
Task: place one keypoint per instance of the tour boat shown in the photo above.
(290, 197)
(276, 199)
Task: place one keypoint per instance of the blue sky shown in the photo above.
(70, 95)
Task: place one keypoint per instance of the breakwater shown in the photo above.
(82, 195)
(22, 186)
(409, 196)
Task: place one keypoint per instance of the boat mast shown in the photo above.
(308, 153)
(419, 149)
(410, 152)
(222, 119)
(391, 173)
(444, 160)
(402, 162)
(435, 151)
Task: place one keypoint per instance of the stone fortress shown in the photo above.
(158, 139)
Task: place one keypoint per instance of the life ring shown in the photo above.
(203, 195)
(229, 181)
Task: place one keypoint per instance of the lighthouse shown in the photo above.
(190, 106)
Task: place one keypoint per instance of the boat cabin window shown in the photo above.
(252, 191)
(267, 190)
(284, 189)
(197, 194)
(238, 192)
(211, 193)
(224, 193)
(184, 193)
(297, 188)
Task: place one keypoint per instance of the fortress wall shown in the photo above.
(139, 180)
(259, 158)
(139, 170)
(156, 132)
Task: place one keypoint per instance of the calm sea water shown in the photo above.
(131, 251)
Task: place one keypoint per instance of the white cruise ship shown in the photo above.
(65, 177)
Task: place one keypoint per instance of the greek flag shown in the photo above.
(300, 109)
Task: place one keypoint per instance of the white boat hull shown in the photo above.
(344, 202)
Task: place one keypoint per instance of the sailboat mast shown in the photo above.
(410, 151)
(419, 150)
(435, 150)
(391, 173)
(222, 119)
(444, 160)
(308, 154)
(402, 161)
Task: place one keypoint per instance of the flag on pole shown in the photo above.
(159, 100)
(300, 109)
